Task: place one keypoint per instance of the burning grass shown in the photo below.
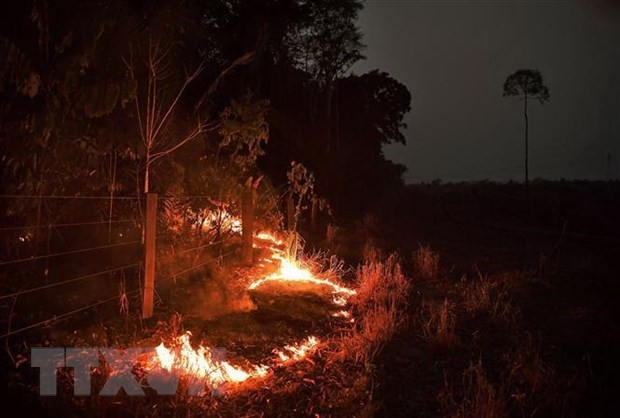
(281, 352)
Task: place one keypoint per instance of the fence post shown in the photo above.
(247, 224)
(150, 224)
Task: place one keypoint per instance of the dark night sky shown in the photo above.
(454, 57)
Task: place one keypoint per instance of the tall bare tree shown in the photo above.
(157, 97)
(528, 85)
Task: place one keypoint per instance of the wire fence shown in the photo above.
(66, 225)
(96, 255)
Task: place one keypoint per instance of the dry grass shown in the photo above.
(480, 397)
(437, 324)
(524, 386)
(380, 309)
(484, 295)
(528, 374)
(426, 262)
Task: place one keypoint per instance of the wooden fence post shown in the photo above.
(247, 224)
(150, 224)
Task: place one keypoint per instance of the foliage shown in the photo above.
(244, 130)
(96, 94)
(325, 43)
(526, 83)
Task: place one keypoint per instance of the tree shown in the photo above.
(60, 88)
(527, 84)
(325, 43)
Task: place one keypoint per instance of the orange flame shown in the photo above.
(298, 351)
(199, 363)
(290, 271)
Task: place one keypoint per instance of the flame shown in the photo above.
(342, 314)
(345, 315)
(200, 363)
(290, 271)
(269, 237)
(298, 351)
(339, 300)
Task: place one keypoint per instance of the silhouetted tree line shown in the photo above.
(188, 96)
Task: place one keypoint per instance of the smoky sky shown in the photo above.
(454, 57)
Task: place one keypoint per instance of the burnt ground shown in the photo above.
(555, 249)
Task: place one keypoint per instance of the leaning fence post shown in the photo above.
(150, 224)
(247, 223)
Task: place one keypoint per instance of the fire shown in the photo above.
(342, 314)
(298, 351)
(200, 363)
(225, 219)
(269, 237)
(290, 271)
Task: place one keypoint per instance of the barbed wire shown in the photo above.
(81, 250)
(57, 318)
(26, 196)
(36, 289)
(63, 225)
(177, 274)
(187, 250)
